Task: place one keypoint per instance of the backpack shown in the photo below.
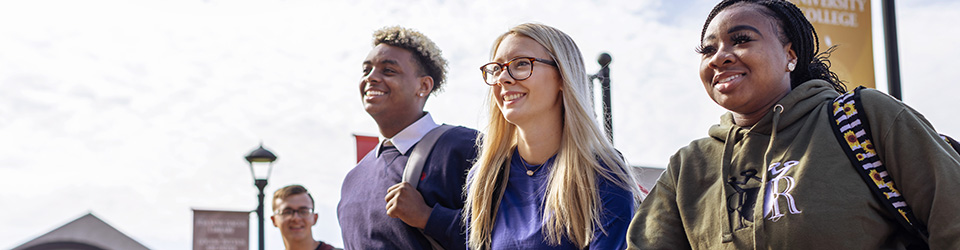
(853, 134)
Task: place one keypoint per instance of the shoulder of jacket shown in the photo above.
(870, 94)
(873, 100)
(459, 134)
(699, 147)
(458, 138)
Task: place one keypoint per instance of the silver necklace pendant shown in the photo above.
(529, 172)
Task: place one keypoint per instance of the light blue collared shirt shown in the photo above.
(410, 135)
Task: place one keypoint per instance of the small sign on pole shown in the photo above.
(221, 230)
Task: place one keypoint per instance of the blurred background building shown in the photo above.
(85, 233)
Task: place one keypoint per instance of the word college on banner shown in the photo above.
(846, 24)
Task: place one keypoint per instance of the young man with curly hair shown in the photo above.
(377, 210)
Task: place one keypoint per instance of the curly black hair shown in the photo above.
(427, 54)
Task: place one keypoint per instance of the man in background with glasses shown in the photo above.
(293, 215)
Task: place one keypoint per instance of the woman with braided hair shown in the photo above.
(773, 174)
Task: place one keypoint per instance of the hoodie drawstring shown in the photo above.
(758, 211)
(725, 159)
(777, 110)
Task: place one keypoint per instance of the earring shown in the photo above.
(791, 66)
(421, 94)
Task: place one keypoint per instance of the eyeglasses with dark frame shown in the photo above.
(519, 68)
(288, 213)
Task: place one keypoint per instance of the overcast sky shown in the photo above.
(139, 112)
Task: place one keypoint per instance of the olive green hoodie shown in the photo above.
(712, 194)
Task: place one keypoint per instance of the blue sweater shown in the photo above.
(362, 210)
(519, 225)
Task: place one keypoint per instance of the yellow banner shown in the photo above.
(846, 24)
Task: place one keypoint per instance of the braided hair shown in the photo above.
(795, 28)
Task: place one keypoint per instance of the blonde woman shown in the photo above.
(546, 176)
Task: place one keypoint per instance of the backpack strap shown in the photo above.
(418, 158)
(853, 134)
(953, 142)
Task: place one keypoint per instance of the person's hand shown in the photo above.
(405, 203)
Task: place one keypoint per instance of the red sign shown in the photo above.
(365, 144)
(221, 230)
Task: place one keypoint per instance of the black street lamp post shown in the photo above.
(892, 49)
(261, 164)
(604, 76)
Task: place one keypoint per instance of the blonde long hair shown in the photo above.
(572, 205)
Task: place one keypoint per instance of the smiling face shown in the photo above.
(744, 63)
(297, 227)
(538, 95)
(393, 83)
